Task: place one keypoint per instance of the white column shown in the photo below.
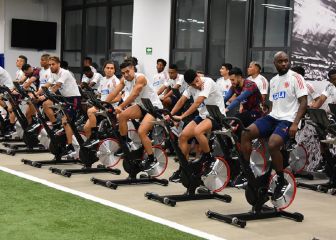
(2, 26)
(151, 29)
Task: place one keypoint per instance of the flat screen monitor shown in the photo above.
(38, 35)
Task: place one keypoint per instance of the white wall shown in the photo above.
(2, 26)
(40, 10)
(151, 28)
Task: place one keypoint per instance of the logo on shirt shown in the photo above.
(286, 84)
(279, 95)
(105, 91)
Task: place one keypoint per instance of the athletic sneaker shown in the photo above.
(240, 181)
(280, 189)
(69, 150)
(176, 177)
(148, 164)
(119, 153)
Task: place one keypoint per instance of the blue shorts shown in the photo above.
(268, 125)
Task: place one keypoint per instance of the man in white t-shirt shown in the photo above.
(106, 86)
(175, 81)
(66, 84)
(91, 78)
(224, 82)
(313, 95)
(138, 87)
(330, 91)
(5, 80)
(288, 95)
(253, 71)
(204, 92)
(161, 76)
(45, 72)
(19, 75)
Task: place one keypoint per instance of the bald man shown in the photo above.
(288, 96)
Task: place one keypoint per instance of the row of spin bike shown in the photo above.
(105, 141)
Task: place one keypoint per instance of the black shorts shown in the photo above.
(73, 106)
(198, 120)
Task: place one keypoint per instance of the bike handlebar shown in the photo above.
(167, 112)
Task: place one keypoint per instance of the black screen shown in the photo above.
(33, 34)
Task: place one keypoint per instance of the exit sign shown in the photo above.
(149, 50)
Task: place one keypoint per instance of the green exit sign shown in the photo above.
(149, 50)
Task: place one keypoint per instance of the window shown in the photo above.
(190, 34)
(95, 37)
(271, 31)
(121, 32)
(73, 38)
(100, 29)
(208, 33)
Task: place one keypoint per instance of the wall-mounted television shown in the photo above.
(38, 35)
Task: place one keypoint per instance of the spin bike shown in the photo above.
(31, 142)
(259, 188)
(191, 172)
(132, 157)
(87, 154)
(52, 138)
(327, 134)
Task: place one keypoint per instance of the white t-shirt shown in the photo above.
(212, 94)
(69, 86)
(5, 79)
(96, 78)
(19, 75)
(330, 93)
(159, 79)
(106, 86)
(261, 82)
(146, 92)
(312, 94)
(284, 93)
(223, 85)
(45, 76)
(179, 80)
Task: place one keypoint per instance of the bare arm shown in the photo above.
(301, 112)
(179, 104)
(318, 103)
(139, 85)
(57, 86)
(116, 91)
(27, 84)
(160, 91)
(193, 107)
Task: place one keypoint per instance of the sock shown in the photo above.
(207, 155)
(123, 139)
(70, 146)
(281, 177)
(151, 157)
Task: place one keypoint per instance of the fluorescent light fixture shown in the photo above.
(275, 8)
(123, 33)
(200, 30)
(278, 7)
(183, 29)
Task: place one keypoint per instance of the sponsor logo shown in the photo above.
(278, 95)
(105, 91)
(286, 84)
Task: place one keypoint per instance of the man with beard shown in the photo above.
(66, 84)
(288, 95)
